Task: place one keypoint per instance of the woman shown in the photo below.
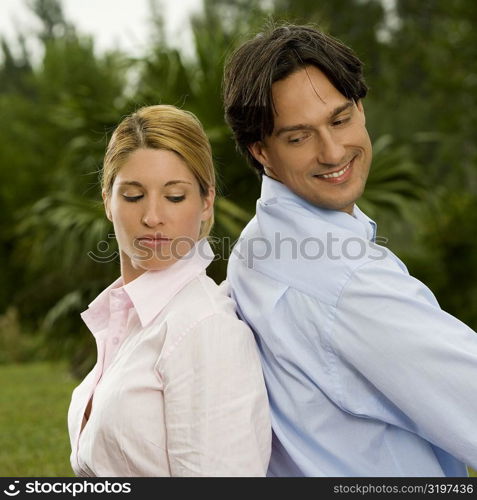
(177, 389)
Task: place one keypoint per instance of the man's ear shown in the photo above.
(107, 208)
(258, 151)
(360, 107)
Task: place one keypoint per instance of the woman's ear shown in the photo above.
(106, 204)
(208, 209)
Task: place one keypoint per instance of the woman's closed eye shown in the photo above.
(132, 199)
(171, 198)
(176, 198)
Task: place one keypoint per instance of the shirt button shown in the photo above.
(115, 340)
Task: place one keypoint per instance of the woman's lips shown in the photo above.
(153, 242)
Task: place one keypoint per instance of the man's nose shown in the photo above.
(153, 214)
(330, 151)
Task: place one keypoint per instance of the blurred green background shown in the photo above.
(57, 114)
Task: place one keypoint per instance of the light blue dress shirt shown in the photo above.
(366, 374)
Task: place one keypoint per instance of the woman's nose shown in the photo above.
(153, 215)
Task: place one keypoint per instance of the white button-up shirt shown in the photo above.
(177, 389)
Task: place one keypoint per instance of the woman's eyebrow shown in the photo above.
(130, 183)
(178, 181)
(168, 183)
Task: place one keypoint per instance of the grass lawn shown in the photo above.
(34, 400)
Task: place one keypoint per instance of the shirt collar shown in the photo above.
(369, 225)
(152, 290)
(359, 223)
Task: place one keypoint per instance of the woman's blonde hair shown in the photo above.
(162, 127)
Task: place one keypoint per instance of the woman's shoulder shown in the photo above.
(202, 312)
(205, 297)
(201, 299)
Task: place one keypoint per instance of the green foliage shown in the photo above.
(445, 255)
(394, 180)
(16, 346)
(428, 85)
(355, 22)
(52, 135)
(53, 228)
(57, 115)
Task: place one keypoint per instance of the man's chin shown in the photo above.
(342, 204)
(335, 205)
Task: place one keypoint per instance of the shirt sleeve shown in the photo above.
(216, 406)
(390, 329)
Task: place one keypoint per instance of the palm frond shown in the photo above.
(394, 180)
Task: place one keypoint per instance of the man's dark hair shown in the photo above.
(271, 56)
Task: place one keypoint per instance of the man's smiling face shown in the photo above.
(319, 147)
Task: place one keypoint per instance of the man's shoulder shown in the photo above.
(317, 263)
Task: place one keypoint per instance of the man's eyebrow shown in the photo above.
(292, 128)
(340, 109)
(304, 126)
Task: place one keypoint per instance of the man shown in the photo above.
(366, 375)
